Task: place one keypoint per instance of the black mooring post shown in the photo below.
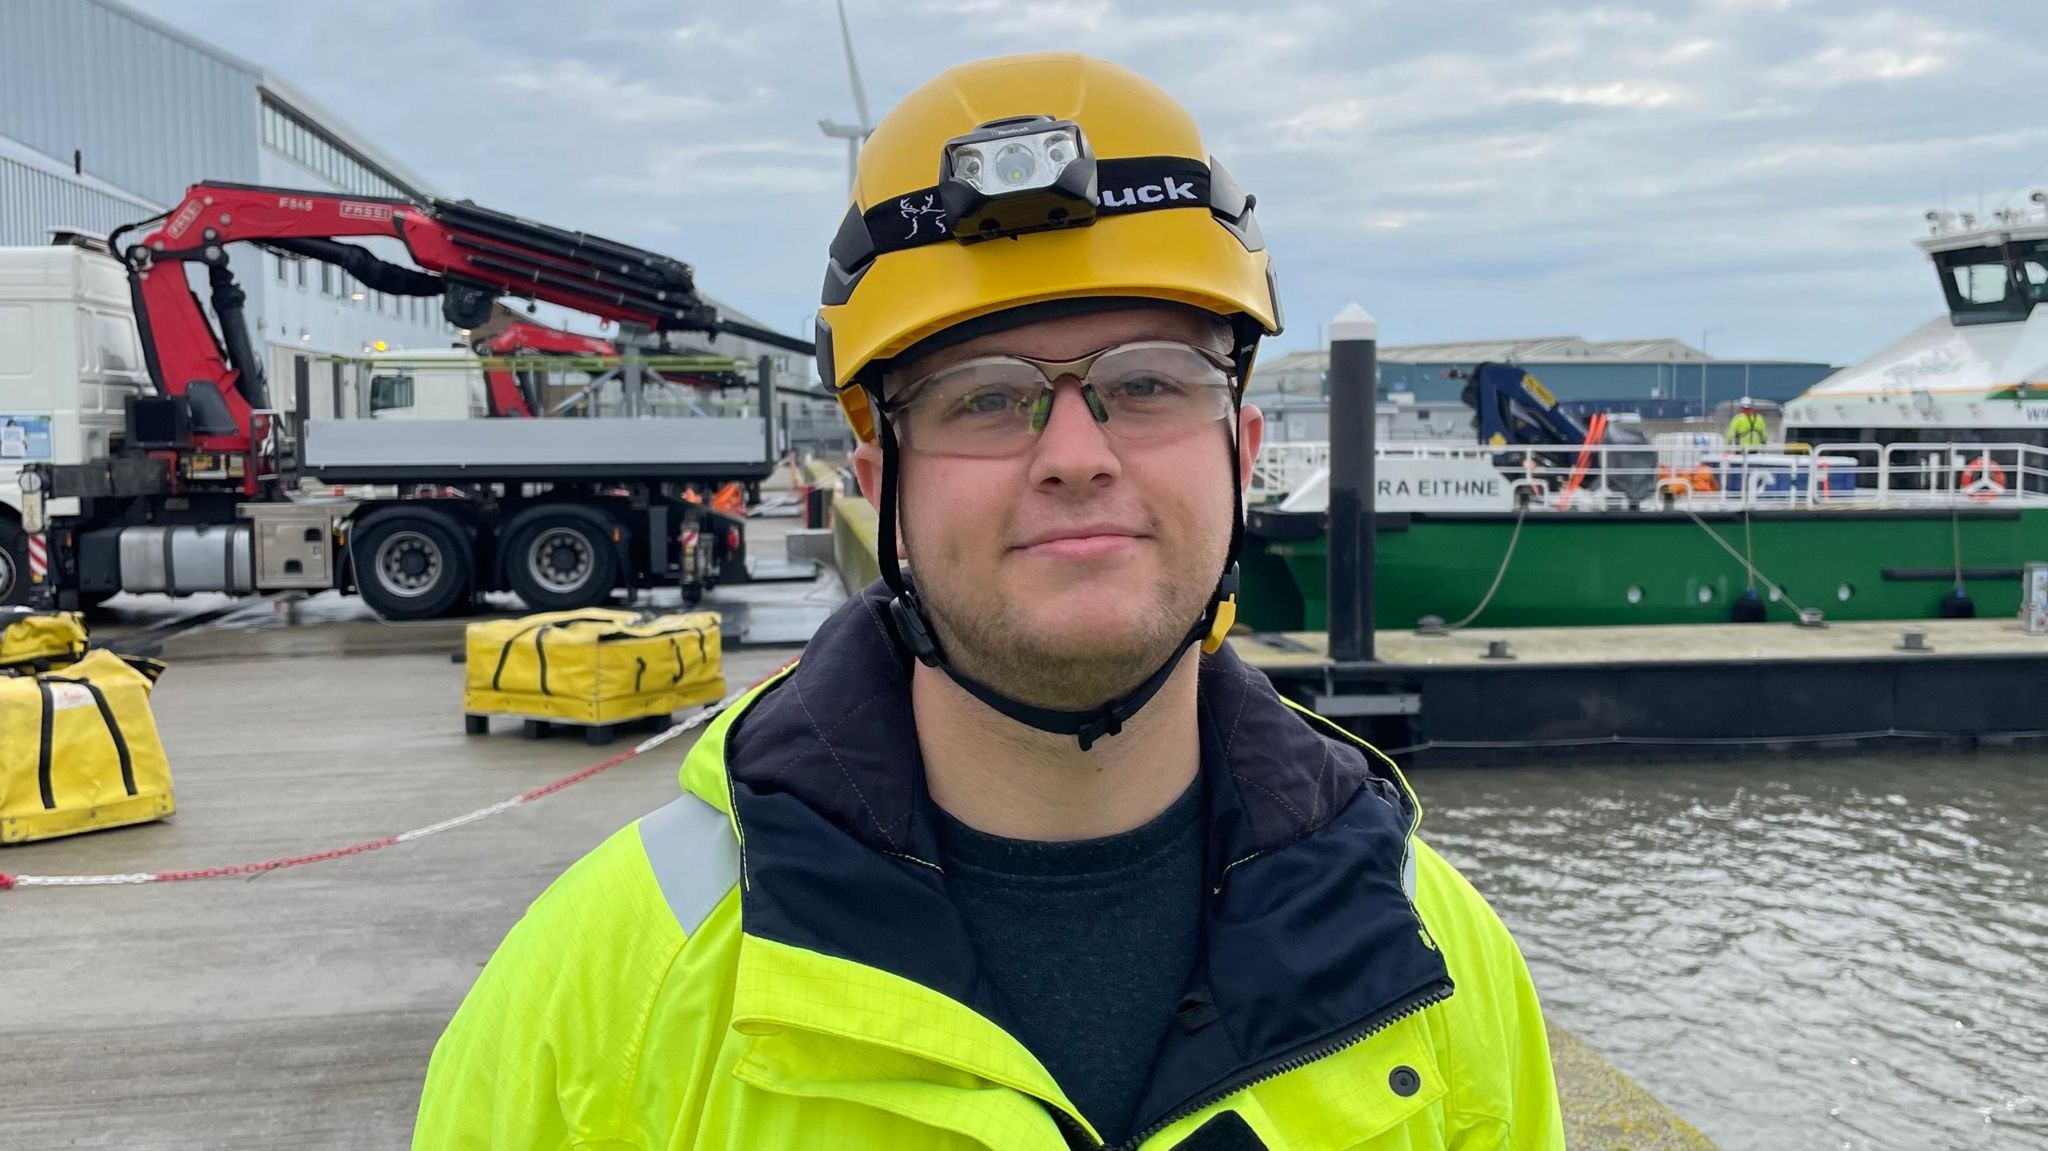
(766, 367)
(1354, 408)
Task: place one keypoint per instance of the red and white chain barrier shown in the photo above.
(696, 720)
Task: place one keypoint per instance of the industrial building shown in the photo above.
(1663, 379)
(107, 115)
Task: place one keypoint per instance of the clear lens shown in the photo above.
(981, 407)
(1159, 387)
(1015, 165)
(967, 165)
(997, 405)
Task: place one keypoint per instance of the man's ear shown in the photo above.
(867, 468)
(1251, 433)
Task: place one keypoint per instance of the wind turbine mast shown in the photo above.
(853, 134)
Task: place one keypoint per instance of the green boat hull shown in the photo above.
(1655, 568)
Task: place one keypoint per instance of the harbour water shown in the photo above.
(1846, 952)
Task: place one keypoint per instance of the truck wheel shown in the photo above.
(14, 583)
(411, 566)
(561, 562)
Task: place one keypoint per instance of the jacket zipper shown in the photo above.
(1272, 1069)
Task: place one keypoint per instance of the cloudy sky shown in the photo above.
(1751, 169)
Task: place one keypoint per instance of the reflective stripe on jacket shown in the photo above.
(771, 960)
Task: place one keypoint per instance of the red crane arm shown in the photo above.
(468, 256)
(517, 338)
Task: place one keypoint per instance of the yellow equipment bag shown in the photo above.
(79, 749)
(595, 666)
(40, 640)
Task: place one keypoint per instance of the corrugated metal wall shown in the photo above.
(150, 112)
(33, 201)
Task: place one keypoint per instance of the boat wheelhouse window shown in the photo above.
(1980, 284)
(2031, 257)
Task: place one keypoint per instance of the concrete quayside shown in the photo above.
(300, 1005)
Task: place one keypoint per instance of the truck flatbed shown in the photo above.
(709, 450)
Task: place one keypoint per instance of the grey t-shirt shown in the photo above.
(1091, 944)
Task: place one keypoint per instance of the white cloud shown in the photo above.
(1677, 53)
(715, 36)
(1322, 120)
(600, 93)
(1839, 64)
(1616, 94)
(702, 173)
(1879, 46)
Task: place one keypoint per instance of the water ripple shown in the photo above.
(1837, 953)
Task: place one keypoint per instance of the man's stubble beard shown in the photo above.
(987, 639)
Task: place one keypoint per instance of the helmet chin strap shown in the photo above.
(907, 618)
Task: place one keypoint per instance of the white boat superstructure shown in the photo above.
(1978, 373)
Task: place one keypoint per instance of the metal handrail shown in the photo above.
(1818, 475)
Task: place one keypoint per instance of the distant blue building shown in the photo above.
(1662, 379)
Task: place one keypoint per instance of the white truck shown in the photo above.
(69, 360)
(425, 384)
(153, 459)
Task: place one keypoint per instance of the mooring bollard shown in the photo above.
(1354, 403)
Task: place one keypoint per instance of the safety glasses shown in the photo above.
(997, 405)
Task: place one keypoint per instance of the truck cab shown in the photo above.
(69, 360)
(424, 384)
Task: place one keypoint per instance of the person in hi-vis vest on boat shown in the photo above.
(1746, 429)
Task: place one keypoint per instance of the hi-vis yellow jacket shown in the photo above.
(771, 961)
(1747, 429)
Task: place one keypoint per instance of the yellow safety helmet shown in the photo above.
(1025, 181)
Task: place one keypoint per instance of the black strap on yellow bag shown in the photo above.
(34, 641)
(49, 705)
(541, 630)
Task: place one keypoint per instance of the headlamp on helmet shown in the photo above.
(1017, 175)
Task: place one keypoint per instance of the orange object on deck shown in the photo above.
(1595, 428)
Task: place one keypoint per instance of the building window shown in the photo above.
(309, 147)
(327, 279)
(301, 272)
(280, 268)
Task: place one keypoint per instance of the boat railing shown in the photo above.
(1714, 476)
(1283, 467)
(1984, 473)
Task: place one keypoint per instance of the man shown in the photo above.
(1020, 856)
(1746, 429)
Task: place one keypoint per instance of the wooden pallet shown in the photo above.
(594, 734)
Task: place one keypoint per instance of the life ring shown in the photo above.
(1983, 479)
